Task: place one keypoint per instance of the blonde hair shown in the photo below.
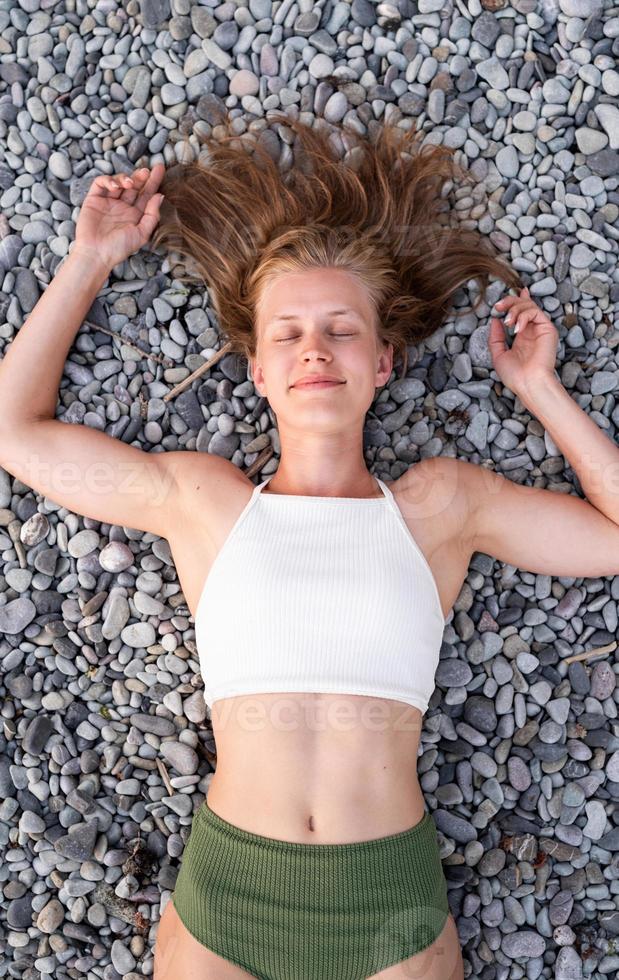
(247, 211)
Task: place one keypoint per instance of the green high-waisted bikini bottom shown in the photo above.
(283, 910)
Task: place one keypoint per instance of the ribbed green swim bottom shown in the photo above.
(283, 910)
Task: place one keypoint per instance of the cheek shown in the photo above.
(277, 367)
(364, 362)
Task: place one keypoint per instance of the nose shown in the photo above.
(314, 356)
(314, 350)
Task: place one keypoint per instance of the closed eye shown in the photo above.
(284, 339)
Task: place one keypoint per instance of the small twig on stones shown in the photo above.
(596, 652)
(165, 361)
(163, 772)
(197, 373)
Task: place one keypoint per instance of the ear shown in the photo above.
(256, 375)
(385, 364)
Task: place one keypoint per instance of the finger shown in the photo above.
(155, 177)
(517, 308)
(496, 338)
(513, 313)
(149, 220)
(505, 301)
(149, 184)
(133, 184)
(104, 185)
(113, 185)
(508, 300)
(121, 185)
(117, 184)
(524, 318)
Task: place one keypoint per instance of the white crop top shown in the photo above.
(323, 594)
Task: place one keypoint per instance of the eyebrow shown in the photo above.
(295, 316)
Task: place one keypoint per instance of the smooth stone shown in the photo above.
(568, 964)
(34, 530)
(596, 820)
(609, 121)
(16, 615)
(138, 635)
(83, 543)
(610, 82)
(320, 66)
(493, 72)
(181, 756)
(51, 917)
(221, 59)
(116, 557)
(507, 162)
(524, 942)
(242, 83)
(525, 120)
(581, 257)
(580, 8)
(612, 767)
(590, 140)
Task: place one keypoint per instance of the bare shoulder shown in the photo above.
(207, 485)
(439, 491)
(210, 494)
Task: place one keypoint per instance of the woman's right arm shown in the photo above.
(78, 467)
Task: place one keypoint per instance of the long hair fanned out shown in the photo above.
(254, 206)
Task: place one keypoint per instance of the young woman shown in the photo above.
(320, 595)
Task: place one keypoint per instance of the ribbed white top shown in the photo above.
(324, 594)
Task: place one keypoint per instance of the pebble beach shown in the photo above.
(106, 749)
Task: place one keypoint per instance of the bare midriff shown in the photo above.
(316, 768)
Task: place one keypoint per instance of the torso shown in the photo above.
(310, 767)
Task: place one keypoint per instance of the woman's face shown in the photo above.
(329, 329)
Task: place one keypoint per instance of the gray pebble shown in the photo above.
(486, 29)
(492, 71)
(608, 116)
(523, 942)
(568, 965)
(181, 756)
(16, 615)
(138, 635)
(507, 162)
(83, 543)
(364, 13)
(51, 917)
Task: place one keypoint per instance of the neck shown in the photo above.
(369, 489)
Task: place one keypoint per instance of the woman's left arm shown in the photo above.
(592, 455)
(541, 530)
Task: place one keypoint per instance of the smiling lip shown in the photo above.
(317, 384)
(317, 381)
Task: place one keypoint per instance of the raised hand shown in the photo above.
(533, 353)
(119, 214)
